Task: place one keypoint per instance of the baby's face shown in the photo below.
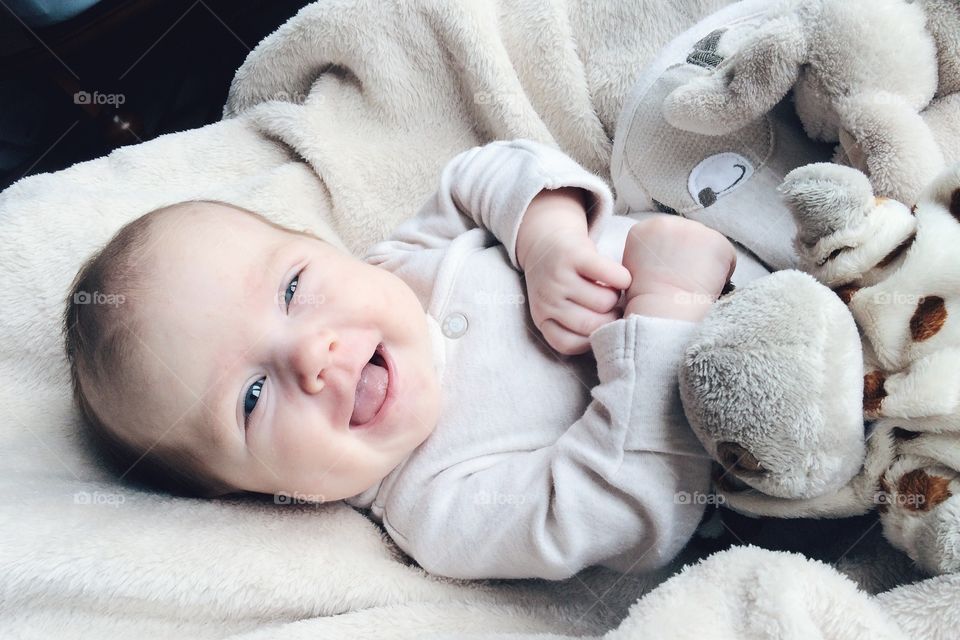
(254, 341)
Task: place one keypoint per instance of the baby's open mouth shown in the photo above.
(371, 389)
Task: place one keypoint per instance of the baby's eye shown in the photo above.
(291, 288)
(251, 396)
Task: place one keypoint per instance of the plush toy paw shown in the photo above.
(920, 509)
(883, 135)
(894, 266)
(844, 233)
(772, 385)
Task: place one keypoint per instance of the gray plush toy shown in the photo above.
(881, 77)
(835, 390)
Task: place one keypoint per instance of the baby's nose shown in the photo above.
(310, 357)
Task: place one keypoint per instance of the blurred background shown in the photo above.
(79, 78)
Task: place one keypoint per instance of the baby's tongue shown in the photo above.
(371, 392)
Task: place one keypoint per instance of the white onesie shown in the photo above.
(541, 464)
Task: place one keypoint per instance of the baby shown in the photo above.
(495, 383)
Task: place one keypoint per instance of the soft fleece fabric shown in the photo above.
(525, 476)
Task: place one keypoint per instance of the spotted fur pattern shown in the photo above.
(919, 491)
(902, 302)
(873, 392)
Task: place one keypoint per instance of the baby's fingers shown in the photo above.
(583, 321)
(602, 269)
(594, 296)
(564, 340)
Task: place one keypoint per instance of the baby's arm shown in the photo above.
(572, 289)
(500, 184)
(494, 187)
(623, 478)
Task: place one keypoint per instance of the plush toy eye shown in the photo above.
(718, 175)
(736, 458)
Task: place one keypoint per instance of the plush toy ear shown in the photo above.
(745, 86)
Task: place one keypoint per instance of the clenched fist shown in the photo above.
(679, 268)
(572, 289)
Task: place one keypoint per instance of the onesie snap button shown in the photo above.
(454, 325)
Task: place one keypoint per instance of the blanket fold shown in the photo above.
(378, 96)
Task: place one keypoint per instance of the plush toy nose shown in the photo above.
(737, 459)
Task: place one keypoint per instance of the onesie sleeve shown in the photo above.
(620, 487)
(490, 187)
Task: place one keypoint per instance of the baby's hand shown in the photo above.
(679, 268)
(572, 290)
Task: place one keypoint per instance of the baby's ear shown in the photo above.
(745, 86)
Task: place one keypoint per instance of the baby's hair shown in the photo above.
(99, 330)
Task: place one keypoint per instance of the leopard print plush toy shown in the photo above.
(837, 391)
